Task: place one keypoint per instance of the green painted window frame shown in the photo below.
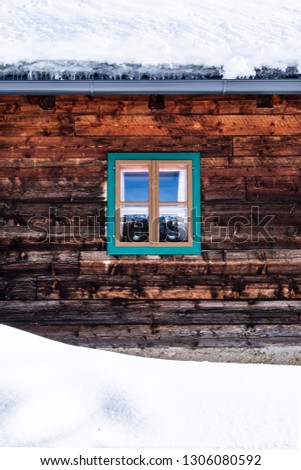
(195, 248)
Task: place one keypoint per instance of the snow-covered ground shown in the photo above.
(236, 35)
(55, 395)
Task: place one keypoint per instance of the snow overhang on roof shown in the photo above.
(90, 78)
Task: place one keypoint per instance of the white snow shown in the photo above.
(56, 395)
(236, 35)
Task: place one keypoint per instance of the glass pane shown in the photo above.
(173, 224)
(173, 183)
(134, 183)
(134, 227)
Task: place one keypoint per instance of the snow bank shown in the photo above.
(53, 394)
(238, 36)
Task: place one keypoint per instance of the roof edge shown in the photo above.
(145, 87)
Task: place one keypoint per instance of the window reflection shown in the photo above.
(134, 181)
(172, 183)
(134, 226)
(173, 225)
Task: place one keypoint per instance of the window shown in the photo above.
(153, 203)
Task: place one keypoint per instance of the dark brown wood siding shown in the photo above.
(55, 277)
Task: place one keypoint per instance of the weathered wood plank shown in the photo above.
(43, 124)
(36, 119)
(17, 158)
(228, 212)
(61, 189)
(219, 187)
(190, 336)
(137, 106)
(274, 188)
(16, 263)
(273, 261)
(115, 105)
(164, 287)
(73, 145)
(20, 288)
(13, 131)
(52, 173)
(210, 262)
(34, 215)
(215, 187)
(263, 145)
(244, 237)
(218, 213)
(81, 166)
(172, 312)
(164, 124)
(41, 237)
(176, 105)
(231, 171)
(212, 166)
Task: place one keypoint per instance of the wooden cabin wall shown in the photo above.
(55, 277)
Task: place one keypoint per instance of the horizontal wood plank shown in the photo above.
(61, 189)
(263, 145)
(196, 336)
(13, 263)
(164, 287)
(212, 262)
(163, 125)
(20, 288)
(172, 312)
(242, 236)
(214, 213)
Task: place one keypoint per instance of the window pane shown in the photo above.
(134, 224)
(134, 183)
(173, 224)
(172, 183)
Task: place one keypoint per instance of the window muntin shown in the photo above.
(164, 217)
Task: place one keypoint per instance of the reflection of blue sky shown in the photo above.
(168, 186)
(136, 186)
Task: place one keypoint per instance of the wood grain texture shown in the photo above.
(165, 287)
(212, 262)
(30, 262)
(55, 276)
(196, 336)
(131, 104)
(164, 124)
(171, 312)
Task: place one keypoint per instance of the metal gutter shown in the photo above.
(145, 87)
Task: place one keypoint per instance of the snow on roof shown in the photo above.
(113, 39)
(84, 70)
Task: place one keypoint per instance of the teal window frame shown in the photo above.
(195, 248)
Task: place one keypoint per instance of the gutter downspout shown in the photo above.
(156, 87)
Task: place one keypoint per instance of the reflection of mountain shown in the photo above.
(172, 229)
(136, 229)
